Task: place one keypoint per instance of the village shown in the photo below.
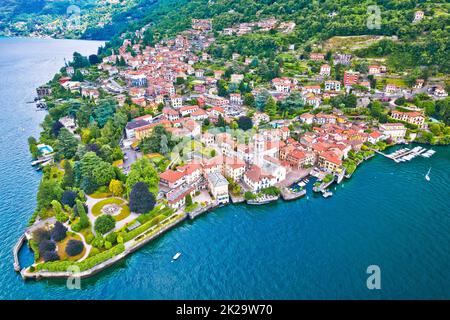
(270, 159)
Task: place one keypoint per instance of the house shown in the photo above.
(170, 114)
(236, 99)
(375, 136)
(329, 161)
(322, 118)
(202, 24)
(316, 89)
(188, 110)
(440, 92)
(218, 74)
(146, 130)
(218, 186)
(216, 111)
(391, 89)
(374, 70)
(419, 83)
(259, 117)
(317, 56)
(418, 16)
(350, 78)
(199, 115)
(68, 123)
(139, 80)
(395, 131)
(283, 85)
(234, 169)
(136, 123)
(176, 101)
(313, 101)
(307, 118)
(413, 117)
(43, 91)
(299, 159)
(236, 78)
(199, 73)
(332, 85)
(325, 70)
(207, 138)
(171, 179)
(257, 180)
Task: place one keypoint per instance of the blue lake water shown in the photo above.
(312, 248)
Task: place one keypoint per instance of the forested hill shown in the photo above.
(422, 43)
(60, 18)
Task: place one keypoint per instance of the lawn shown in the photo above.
(125, 212)
(100, 195)
(62, 246)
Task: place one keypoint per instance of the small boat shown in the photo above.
(427, 176)
(176, 256)
(327, 194)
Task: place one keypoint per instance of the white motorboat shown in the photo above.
(176, 256)
(427, 176)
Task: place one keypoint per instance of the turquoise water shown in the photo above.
(317, 248)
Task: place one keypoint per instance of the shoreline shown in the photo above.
(37, 275)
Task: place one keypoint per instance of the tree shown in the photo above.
(78, 76)
(67, 144)
(58, 232)
(91, 172)
(188, 200)
(68, 198)
(74, 247)
(83, 222)
(143, 171)
(245, 123)
(115, 186)
(104, 223)
(93, 59)
(152, 144)
(271, 107)
(50, 256)
(46, 245)
(103, 173)
(104, 111)
(68, 178)
(59, 213)
(40, 234)
(56, 127)
(79, 61)
(48, 191)
(32, 144)
(141, 199)
(221, 122)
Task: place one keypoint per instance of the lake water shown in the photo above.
(312, 248)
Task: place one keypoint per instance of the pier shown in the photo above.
(16, 251)
(289, 195)
(404, 154)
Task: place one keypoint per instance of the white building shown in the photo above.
(218, 186)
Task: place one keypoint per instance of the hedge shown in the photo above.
(61, 266)
(142, 228)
